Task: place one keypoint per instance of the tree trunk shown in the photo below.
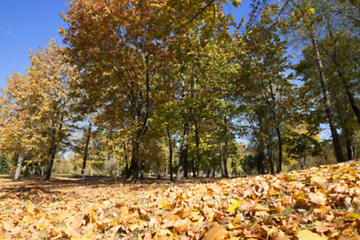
(86, 150)
(326, 158)
(38, 169)
(303, 164)
(354, 152)
(349, 149)
(197, 142)
(226, 172)
(330, 115)
(271, 159)
(183, 165)
(143, 111)
(50, 162)
(277, 127)
(279, 166)
(260, 163)
(158, 172)
(348, 90)
(260, 147)
(127, 172)
(26, 173)
(20, 160)
(134, 165)
(142, 173)
(52, 153)
(214, 168)
(222, 161)
(170, 152)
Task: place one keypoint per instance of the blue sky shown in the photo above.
(28, 24)
(25, 25)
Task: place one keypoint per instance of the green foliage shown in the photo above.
(301, 142)
(4, 164)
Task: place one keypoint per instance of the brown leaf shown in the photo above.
(181, 226)
(216, 232)
(318, 180)
(322, 227)
(317, 198)
(279, 207)
(322, 210)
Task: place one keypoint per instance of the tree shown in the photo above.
(35, 108)
(118, 66)
(50, 75)
(304, 19)
(124, 65)
(345, 114)
(301, 141)
(87, 135)
(263, 88)
(18, 114)
(339, 48)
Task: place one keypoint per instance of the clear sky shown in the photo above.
(28, 24)
(25, 25)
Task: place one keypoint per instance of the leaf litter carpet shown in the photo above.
(318, 203)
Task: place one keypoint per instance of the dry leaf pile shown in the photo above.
(318, 203)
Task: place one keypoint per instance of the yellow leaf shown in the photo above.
(232, 226)
(308, 235)
(139, 225)
(352, 215)
(41, 226)
(124, 211)
(163, 203)
(235, 205)
(299, 196)
(195, 216)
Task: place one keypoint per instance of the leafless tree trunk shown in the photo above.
(20, 160)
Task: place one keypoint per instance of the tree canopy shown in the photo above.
(179, 88)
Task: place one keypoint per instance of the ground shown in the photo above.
(318, 203)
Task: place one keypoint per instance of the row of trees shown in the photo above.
(171, 86)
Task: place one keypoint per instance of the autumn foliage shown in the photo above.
(170, 88)
(319, 203)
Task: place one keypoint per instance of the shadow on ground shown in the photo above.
(33, 188)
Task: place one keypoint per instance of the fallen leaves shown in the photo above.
(318, 203)
(317, 198)
(216, 232)
(308, 235)
(234, 206)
